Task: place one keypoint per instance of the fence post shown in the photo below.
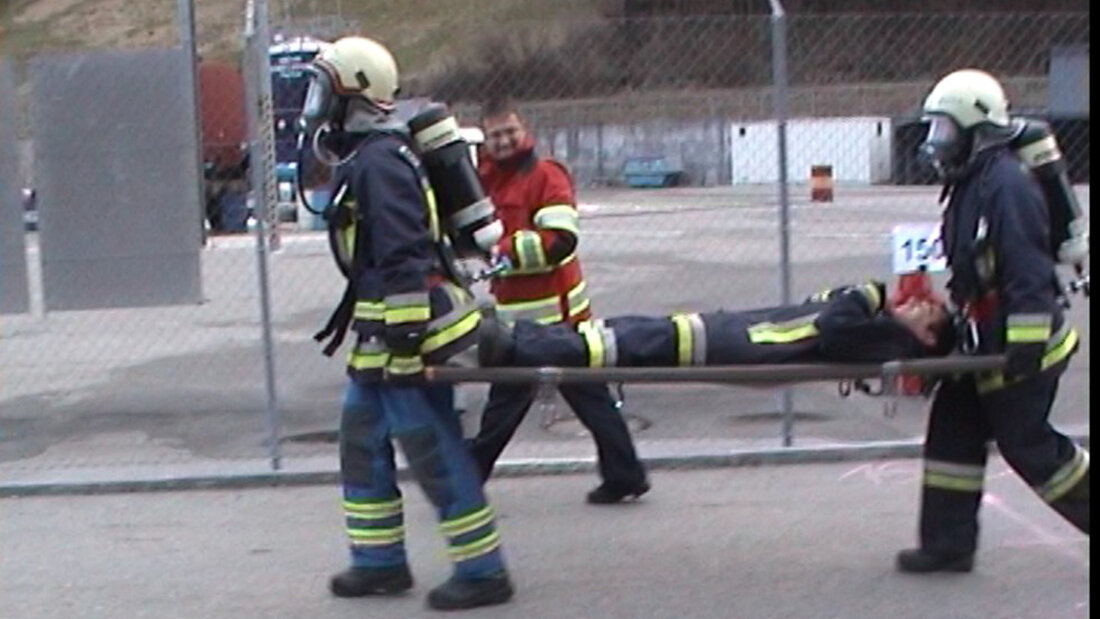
(258, 94)
(780, 80)
(186, 12)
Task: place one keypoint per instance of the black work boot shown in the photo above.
(495, 344)
(920, 561)
(362, 581)
(458, 594)
(606, 494)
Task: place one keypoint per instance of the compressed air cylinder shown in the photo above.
(1035, 144)
(468, 214)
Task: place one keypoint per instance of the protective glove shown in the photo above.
(1023, 360)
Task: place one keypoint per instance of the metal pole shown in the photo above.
(186, 11)
(780, 78)
(257, 71)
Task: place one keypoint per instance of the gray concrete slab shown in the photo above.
(799, 541)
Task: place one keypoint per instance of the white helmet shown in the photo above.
(361, 67)
(970, 97)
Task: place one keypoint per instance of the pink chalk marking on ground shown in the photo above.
(1042, 536)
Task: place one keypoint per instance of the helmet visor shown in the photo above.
(318, 101)
(943, 142)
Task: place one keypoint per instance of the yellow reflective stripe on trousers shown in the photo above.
(370, 509)
(578, 299)
(376, 536)
(1066, 477)
(1060, 347)
(476, 548)
(603, 350)
(953, 476)
(783, 332)
(1027, 328)
(545, 310)
(454, 527)
(691, 339)
(558, 217)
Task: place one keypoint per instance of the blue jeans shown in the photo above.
(423, 421)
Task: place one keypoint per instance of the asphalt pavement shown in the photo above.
(812, 541)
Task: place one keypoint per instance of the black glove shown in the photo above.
(1023, 359)
(404, 339)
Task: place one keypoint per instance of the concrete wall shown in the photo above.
(596, 153)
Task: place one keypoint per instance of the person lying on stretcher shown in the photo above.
(852, 324)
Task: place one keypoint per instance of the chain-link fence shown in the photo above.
(163, 305)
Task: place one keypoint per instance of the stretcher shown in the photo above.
(849, 376)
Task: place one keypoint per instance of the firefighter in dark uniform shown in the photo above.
(851, 324)
(405, 311)
(996, 235)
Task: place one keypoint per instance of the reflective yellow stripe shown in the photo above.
(578, 299)
(372, 509)
(683, 339)
(446, 335)
(464, 524)
(527, 245)
(476, 548)
(543, 311)
(376, 536)
(369, 310)
(1060, 347)
(403, 365)
(952, 482)
(784, 332)
(1066, 477)
(953, 476)
(368, 355)
(594, 343)
(874, 297)
(1023, 335)
(558, 217)
(399, 315)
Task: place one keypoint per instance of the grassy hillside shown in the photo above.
(424, 34)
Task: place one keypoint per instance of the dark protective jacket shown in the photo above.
(996, 234)
(403, 303)
(846, 325)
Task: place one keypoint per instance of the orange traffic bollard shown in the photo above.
(821, 183)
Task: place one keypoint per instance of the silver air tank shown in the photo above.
(468, 214)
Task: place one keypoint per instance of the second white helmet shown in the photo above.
(970, 97)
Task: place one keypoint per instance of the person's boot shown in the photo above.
(459, 594)
(606, 494)
(495, 344)
(363, 581)
(920, 561)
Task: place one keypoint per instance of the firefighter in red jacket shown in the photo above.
(534, 199)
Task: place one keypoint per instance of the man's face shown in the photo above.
(924, 318)
(503, 135)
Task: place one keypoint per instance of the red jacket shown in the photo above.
(535, 201)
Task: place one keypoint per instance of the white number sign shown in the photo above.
(918, 246)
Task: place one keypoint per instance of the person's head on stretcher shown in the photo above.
(926, 318)
(850, 324)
